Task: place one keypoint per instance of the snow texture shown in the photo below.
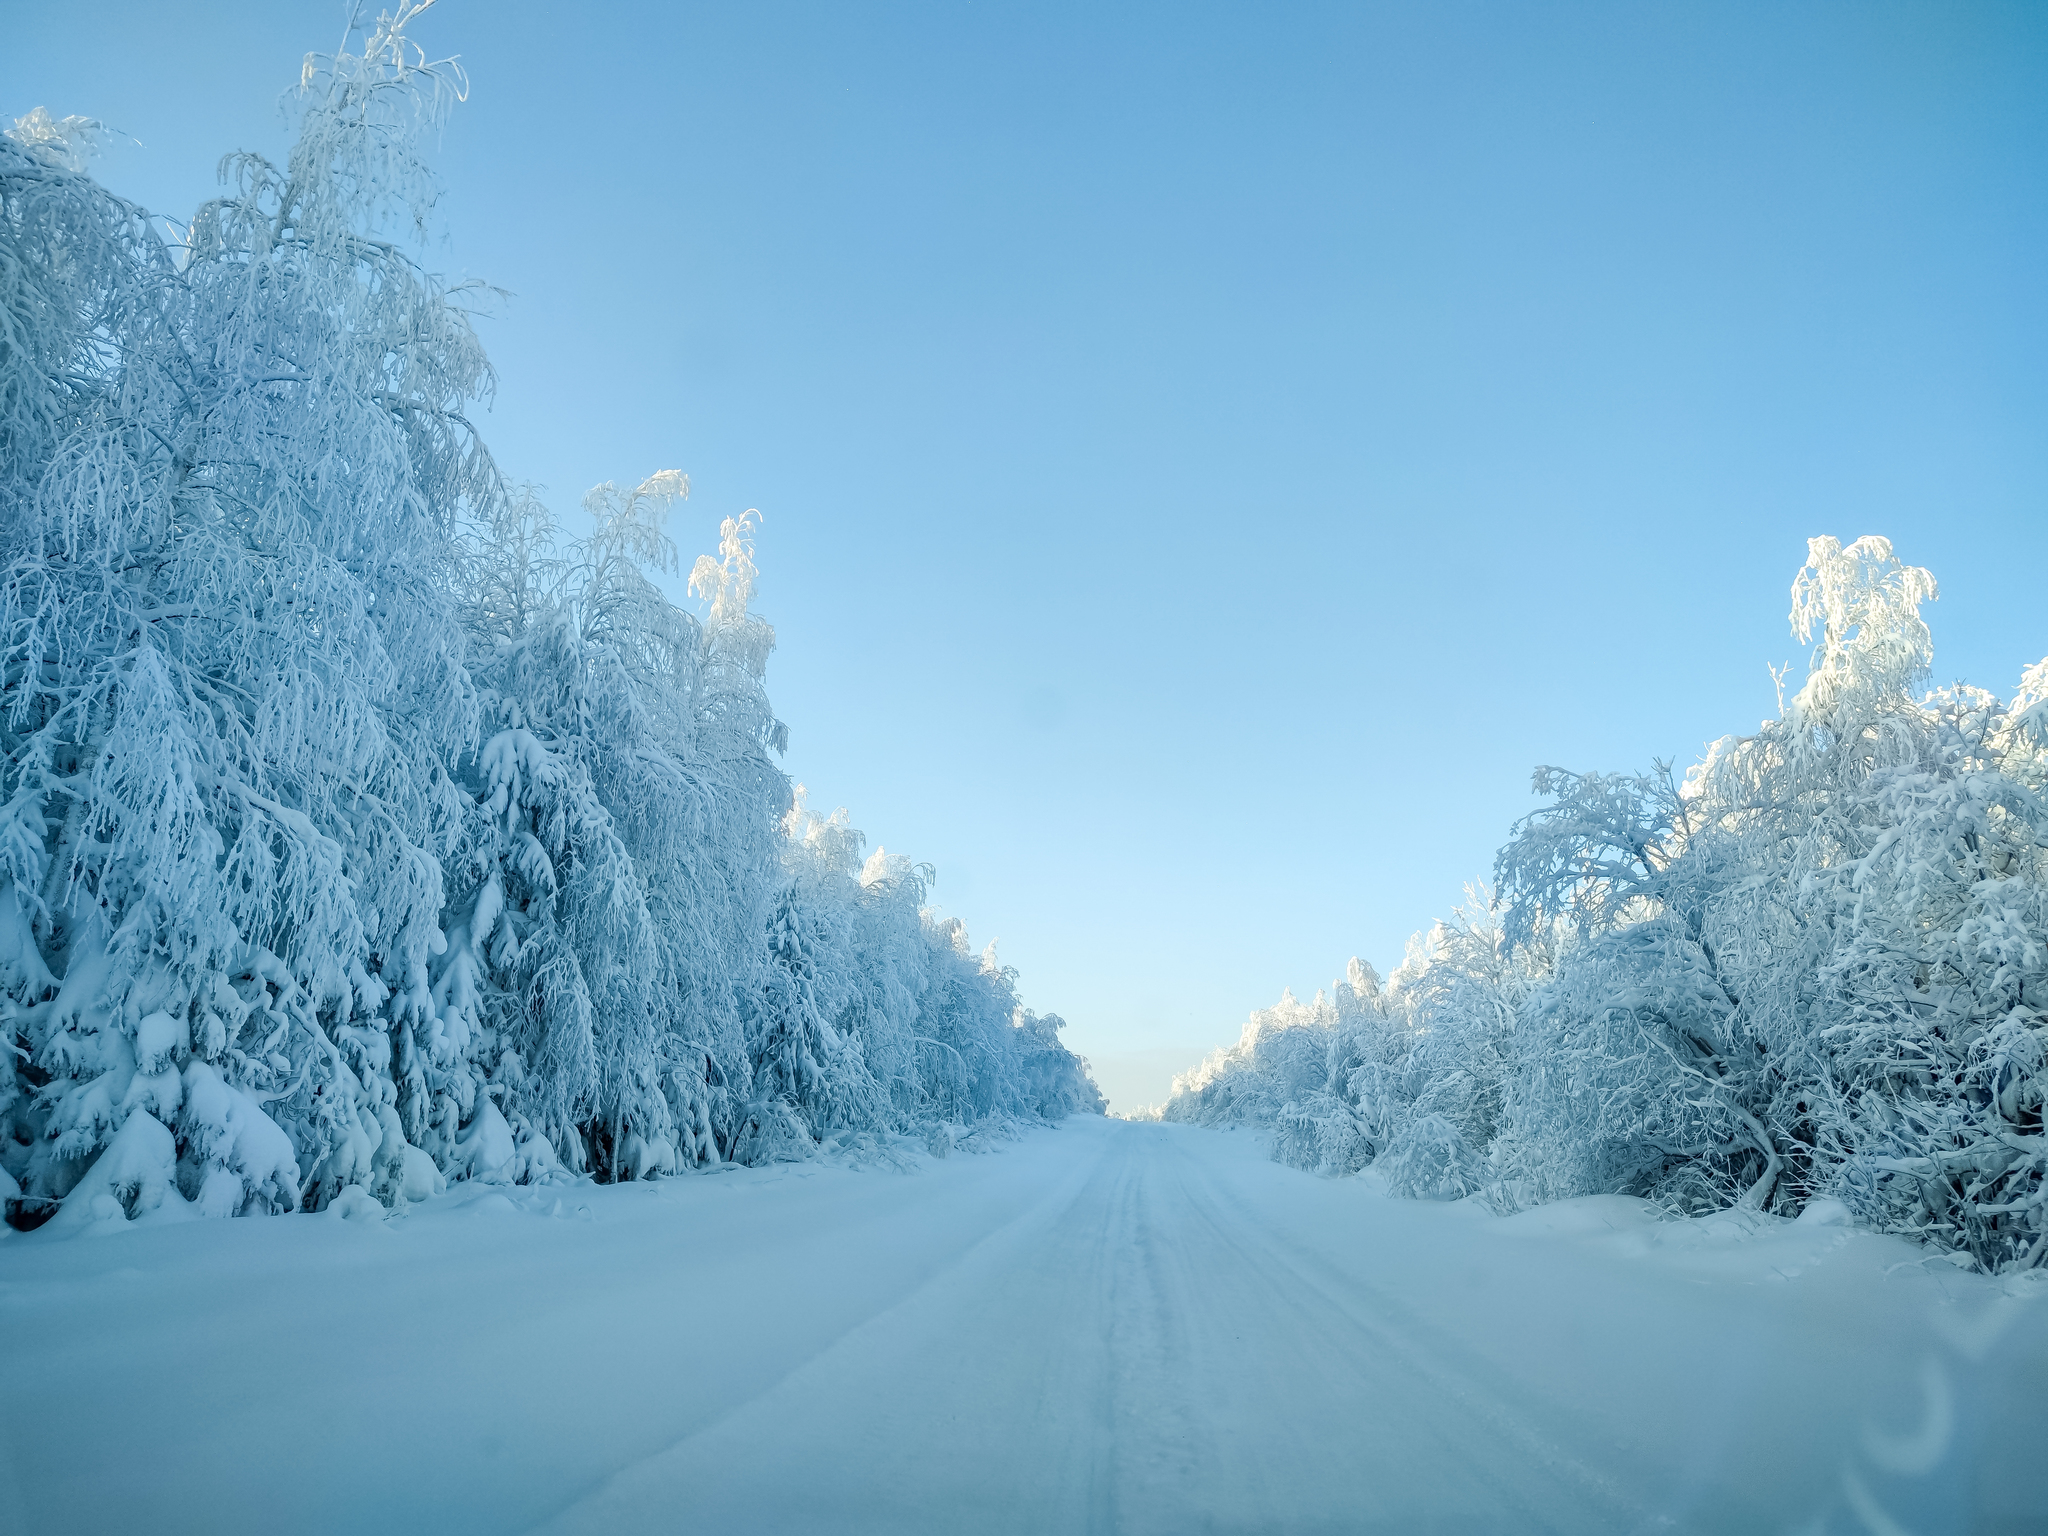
(1099, 1327)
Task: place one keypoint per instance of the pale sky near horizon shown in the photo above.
(1208, 456)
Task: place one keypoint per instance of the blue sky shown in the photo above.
(1208, 456)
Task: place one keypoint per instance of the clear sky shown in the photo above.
(1209, 455)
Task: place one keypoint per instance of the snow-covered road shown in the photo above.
(1106, 1327)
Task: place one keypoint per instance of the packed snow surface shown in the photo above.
(1099, 1327)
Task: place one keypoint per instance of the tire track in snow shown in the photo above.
(1482, 1427)
(1135, 1353)
(704, 1469)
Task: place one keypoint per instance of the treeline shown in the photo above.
(358, 826)
(1816, 966)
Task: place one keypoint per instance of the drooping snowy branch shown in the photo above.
(358, 826)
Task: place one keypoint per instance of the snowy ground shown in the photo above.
(1107, 1327)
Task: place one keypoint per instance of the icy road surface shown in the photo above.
(1104, 1327)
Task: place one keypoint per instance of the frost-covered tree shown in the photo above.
(358, 825)
(234, 689)
(1813, 966)
(1281, 1057)
(1368, 1073)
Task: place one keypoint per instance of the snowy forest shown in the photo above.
(365, 828)
(1813, 968)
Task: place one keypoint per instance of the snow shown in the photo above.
(135, 1178)
(1102, 1326)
